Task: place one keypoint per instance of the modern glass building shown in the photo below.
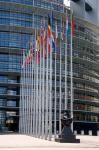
(67, 79)
(86, 76)
(18, 21)
(15, 30)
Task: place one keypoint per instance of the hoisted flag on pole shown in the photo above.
(49, 34)
(31, 51)
(53, 41)
(27, 55)
(62, 28)
(44, 41)
(66, 25)
(39, 42)
(56, 37)
(49, 27)
(38, 48)
(23, 61)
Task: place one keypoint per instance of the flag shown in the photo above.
(66, 25)
(38, 57)
(23, 61)
(44, 41)
(38, 48)
(72, 26)
(62, 28)
(56, 39)
(31, 51)
(27, 55)
(53, 41)
(49, 27)
(43, 36)
(39, 42)
(49, 46)
(42, 31)
(49, 34)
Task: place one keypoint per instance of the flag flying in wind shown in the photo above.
(39, 42)
(27, 55)
(38, 48)
(31, 51)
(62, 28)
(66, 25)
(44, 41)
(49, 27)
(53, 41)
(42, 31)
(49, 34)
(56, 37)
(23, 61)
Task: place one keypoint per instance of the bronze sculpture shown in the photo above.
(67, 135)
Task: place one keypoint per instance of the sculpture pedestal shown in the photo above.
(67, 136)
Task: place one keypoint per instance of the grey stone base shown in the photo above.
(60, 140)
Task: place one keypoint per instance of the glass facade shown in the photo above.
(18, 19)
(14, 23)
(85, 79)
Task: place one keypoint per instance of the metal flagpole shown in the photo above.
(50, 100)
(43, 104)
(71, 64)
(39, 124)
(55, 89)
(47, 95)
(25, 97)
(36, 89)
(44, 101)
(24, 100)
(21, 96)
(20, 103)
(37, 67)
(66, 98)
(34, 109)
(33, 90)
(27, 108)
(27, 119)
(32, 93)
(33, 59)
(31, 85)
(28, 96)
(60, 101)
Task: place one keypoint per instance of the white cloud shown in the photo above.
(67, 2)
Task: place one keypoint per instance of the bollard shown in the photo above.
(82, 132)
(90, 132)
(97, 133)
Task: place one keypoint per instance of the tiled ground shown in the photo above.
(23, 142)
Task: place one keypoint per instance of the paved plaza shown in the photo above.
(23, 142)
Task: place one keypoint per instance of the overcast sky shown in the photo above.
(67, 2)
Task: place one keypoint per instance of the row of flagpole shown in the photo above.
(36, 100)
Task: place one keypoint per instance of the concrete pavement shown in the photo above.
(23, 142)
